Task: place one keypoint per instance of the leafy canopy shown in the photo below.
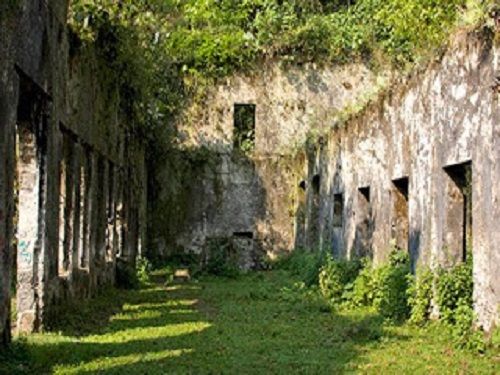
(162, 48)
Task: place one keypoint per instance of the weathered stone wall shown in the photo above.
(229, 194)
(80, 176)
(417, 169)
(428, 130)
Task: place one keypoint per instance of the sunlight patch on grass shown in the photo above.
(148, 333)
(159, 305)
(148, 314)
(247, 325)
(107, 363)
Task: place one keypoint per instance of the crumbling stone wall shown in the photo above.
(72, 180)
(229, 192)
(439, 132)
(387, 177)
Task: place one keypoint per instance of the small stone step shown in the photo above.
(182, 275)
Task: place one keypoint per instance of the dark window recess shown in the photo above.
(316, 181)
(244, 127)
(338, 209)
(365, 192)
(458, 233)
(401, 185)
(248, 235)
(364, 225)
(303, 185)
(400, 218)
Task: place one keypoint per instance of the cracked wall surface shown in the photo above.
(442, 118)
(72, 180)
(229, 191)
(398, 149)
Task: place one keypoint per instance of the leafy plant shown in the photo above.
(363, 287)
(304, 264)
(143, 268)
(453, 289)
(336, 278)
(391, 282)
(420, 296)
(464, 333)
(221, 258)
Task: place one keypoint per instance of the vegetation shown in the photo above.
(163, 52)
(393, 292)
(260, 323)
(420, 296)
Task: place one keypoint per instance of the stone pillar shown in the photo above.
(28, 168)
(111, 214)
(86, 207)
(77, 217)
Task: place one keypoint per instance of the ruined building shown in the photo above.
(72, 177)
(417, 169)
(279, 159)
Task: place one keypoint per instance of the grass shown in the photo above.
(259, 323)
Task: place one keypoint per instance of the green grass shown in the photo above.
(259, 324)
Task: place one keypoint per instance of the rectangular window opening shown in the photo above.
(400, 219)
(338, 210)
(364, 223)
(244, 127)
(316, 183)
(247, 235)
(365, 193)
(458, 231)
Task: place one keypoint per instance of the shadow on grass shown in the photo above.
(189, 329)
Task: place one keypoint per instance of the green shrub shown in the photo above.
(495, 338)
(464, 333)
(142, 269)
(420, 296)
(304, 264)
(453, 289)
(222, 259)
(304, 298)
(336, 279)
(391, 283)
(363, 289)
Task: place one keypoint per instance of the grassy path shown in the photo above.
(258, 324)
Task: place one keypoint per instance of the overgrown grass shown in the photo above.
(259, 323)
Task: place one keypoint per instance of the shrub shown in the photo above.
(464, 333)
(336, 279)
(420, 296)
(363, 289)
(222, 259)
(454, 289)
(306, 265)
(495, 338)
(142, 269)
(391, 283)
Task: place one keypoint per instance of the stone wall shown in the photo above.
(416, 169)
(66, 150)
(426, 155)
(228, 193)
